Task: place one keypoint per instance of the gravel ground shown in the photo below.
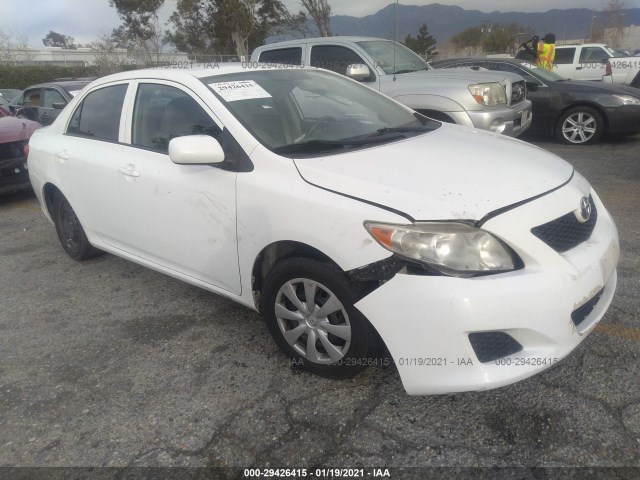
(108, 364)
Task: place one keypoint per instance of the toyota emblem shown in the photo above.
(585, 209)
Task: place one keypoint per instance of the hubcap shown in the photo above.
(579, 127)
(313, 321)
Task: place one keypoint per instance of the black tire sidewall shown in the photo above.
(83, 250)
(591, 111)
(329, 276)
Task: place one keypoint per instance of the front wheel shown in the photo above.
(70, 232)
(580, 126)
(308, 308)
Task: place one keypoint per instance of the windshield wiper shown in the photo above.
(397, 131)
(313, 146)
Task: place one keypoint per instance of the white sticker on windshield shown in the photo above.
(73, 93)
(239, 90)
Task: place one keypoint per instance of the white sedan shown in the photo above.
(349, 221)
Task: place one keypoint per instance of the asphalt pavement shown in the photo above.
(108, 364)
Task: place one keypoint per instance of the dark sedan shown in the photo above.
(576, 112)
(42, 103)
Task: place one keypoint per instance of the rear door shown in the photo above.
(564, 63)
(591, 63)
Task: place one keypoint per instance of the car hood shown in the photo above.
(450, 173)
(14, 129)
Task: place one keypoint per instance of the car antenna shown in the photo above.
(395, 34)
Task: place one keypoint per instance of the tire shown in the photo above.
(70, 232)
(580, 126)
(342, 334)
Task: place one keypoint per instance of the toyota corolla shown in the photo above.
(348, 220)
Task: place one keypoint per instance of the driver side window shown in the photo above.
(162, 113)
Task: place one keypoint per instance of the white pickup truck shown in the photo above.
(596, 61)
(494, 101)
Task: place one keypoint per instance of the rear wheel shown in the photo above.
(580, 126)
(308, 308)
(70, 231)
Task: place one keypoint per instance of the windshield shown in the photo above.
(312, 110)
(393, 57)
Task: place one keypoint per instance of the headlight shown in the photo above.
(488, 94)
(628, 99)
(454, 248)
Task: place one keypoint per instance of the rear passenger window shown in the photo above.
(98, 115)
(564, 55)
(284, 56)
(593, 55)
(162, 112)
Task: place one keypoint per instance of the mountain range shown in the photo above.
(444, 21)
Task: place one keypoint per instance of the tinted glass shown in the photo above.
(52, 96)
(285, 56)
(334, 58)
(593, 55)
(564, 55)
(98, 116)
(162, 112)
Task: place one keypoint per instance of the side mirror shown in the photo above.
(532, 86)
(58, 105)
(358, 72)
(195, 150)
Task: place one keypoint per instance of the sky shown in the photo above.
(86, 19)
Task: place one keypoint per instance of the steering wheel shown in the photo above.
(322, 121)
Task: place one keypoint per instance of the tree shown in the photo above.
(320, 13)
(468, 39)
(140, 32)
(224, 26)
(110, 56)
(55, 39)
(615, 21)
(423, 44)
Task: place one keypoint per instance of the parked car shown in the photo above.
(575, 112)
(14, 136)
(494, 102)
(340, 214)
(596, 61)
(43, 102)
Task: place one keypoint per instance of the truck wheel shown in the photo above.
(580, 126)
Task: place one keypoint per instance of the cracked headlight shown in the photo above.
(627, 99)
(454, 248)
(489, 94)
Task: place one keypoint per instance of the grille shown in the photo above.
(567, 232)
(490, 346)
(580, 313)
(518, 92)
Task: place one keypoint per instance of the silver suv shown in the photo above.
(494, 101)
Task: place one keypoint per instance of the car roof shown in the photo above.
(340, 39)
(64, 84)
(201, 70)
(480, 59)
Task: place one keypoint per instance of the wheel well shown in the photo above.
(590, 105)
(436, 115)
(277, 252)
(50, 193)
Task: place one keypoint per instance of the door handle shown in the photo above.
(62, 155)
(129, 171)
(578, 68)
